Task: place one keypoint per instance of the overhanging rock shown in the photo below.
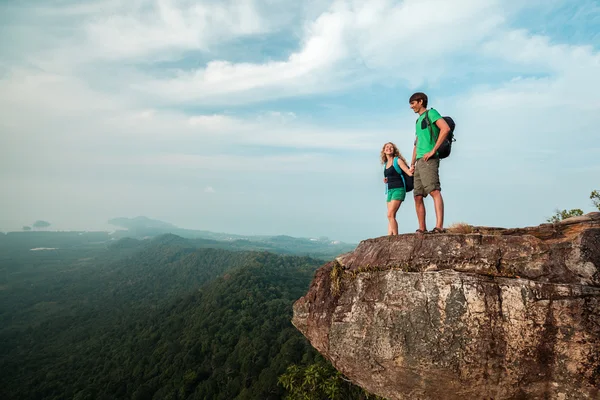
(495, 313)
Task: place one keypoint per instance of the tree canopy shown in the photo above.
(156, 319)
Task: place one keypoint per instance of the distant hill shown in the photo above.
(141, 223)
(144, 227)
(141, 229)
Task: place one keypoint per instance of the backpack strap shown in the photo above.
(431, 130)
(429, 125)
(396, 166)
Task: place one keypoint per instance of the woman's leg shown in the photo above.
(390, 225)
(393, 207)
(390, 228)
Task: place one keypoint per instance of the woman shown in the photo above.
(396, 192)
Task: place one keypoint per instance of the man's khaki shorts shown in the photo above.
(427, 176)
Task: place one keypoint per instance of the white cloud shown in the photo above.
(562, 95)
(272, 129)
(150, 28)
(221, 163)
(539, 52)
(305, 71)
(94, 38)
(31, 90)
(350, 43)
(209, 189)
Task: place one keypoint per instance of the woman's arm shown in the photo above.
(414, 157)
(404, 167)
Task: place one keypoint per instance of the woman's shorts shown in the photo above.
(396, 194)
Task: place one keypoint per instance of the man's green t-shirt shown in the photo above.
(425, 143)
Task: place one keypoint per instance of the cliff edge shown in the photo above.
(487, 314)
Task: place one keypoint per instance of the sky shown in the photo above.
(268, 116)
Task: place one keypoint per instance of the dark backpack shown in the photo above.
(446, 146)
(409, 182)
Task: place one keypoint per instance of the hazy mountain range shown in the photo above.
(138, 230)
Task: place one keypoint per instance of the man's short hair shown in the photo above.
(419, 96)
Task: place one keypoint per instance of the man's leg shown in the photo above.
(419, 193)
(438, 202)
(430, 178)
(420, 207)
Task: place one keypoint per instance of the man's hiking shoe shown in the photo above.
(438, 230)
(421, 231)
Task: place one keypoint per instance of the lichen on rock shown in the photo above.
(496, 313)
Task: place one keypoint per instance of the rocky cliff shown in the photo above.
(484, 314)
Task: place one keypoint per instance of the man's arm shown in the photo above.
(444, 131)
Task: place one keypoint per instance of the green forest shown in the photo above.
(166, 318)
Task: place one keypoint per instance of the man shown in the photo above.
(425, 163)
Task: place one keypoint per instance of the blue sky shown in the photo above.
(267, 117)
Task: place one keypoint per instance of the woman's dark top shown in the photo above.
(394, 180)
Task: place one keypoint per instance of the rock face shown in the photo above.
(489, 314)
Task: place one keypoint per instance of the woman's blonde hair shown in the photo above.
(396, 153)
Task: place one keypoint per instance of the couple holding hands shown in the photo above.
(431, 131)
